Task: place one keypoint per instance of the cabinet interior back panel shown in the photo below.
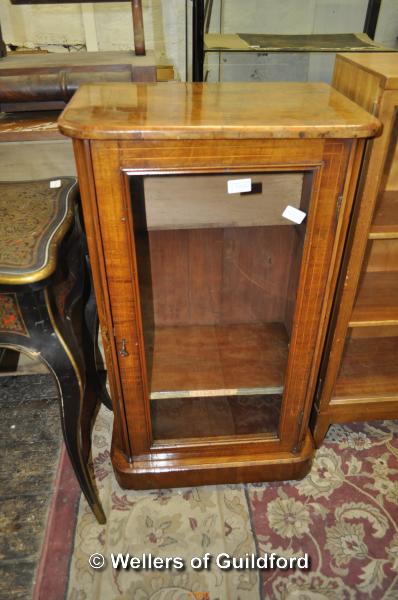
(190, 202)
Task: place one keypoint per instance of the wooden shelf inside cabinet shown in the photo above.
(385, 220)
(222, 360)
(368, 370)
(377, 300)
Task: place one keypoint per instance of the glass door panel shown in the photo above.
(218, 275)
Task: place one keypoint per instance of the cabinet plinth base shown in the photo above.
(351, 411)
(192, 471)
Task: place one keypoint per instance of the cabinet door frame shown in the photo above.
(109, 230)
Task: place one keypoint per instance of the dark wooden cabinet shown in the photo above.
(213, 298)
(360, 369)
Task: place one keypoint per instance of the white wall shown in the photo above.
(53, 26)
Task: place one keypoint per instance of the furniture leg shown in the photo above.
(74, 393)
(90, 341)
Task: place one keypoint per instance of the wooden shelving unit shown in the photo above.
(359, 375)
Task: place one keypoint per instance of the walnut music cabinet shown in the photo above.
(213, 305)
(359, 375)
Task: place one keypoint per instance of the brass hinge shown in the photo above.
(122, 349)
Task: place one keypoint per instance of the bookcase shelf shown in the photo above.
(363, 374)
(377, 300)
(385, 221)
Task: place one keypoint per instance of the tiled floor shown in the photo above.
(30, 436)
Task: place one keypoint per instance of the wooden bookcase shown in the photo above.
(359, 376)
(213, 306)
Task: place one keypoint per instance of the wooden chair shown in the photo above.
(43, 290)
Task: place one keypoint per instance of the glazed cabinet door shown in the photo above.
(220, 276)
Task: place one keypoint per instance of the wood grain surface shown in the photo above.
(219, 358)
(189, 202)
(383, 66)
(214, 111)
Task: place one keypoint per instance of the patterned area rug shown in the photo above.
(344, 514)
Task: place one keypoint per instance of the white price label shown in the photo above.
(55, 183)
(237, 186)
(294, 214)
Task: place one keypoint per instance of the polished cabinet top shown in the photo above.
(385, 65)
(214, 111)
